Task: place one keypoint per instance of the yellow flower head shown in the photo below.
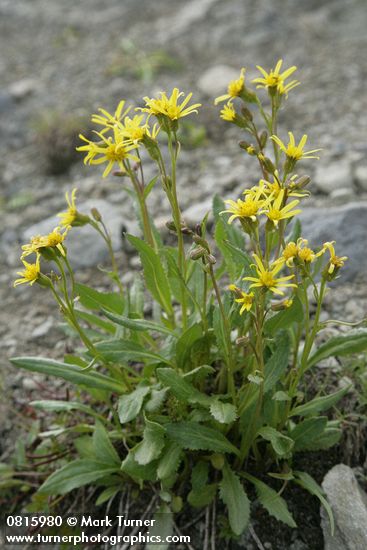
(135, 130)
(228, 112)
(68, 217)
(277, 212)
(107, 120)
(235, 88)
(295, 152)
(266, 277)
(274, 79)
(246, 300)
(248, 208)
(30, 274)
(335, 262)
(169, 107)
(109, 150)
(52, 240)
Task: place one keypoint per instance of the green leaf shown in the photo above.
(281, 444)
(308, 483)
(324, 441)
(156, 400)
(199, 475)
(170, 461)
(272, 501)
(305, 432)
(138, 324)
(234, 497)
(155, 276)
(63, 406)
(199, 498)
(75, 474)
(278, 362)
(185, 343)
(95, 320)
(181, 388)
(107, 494)
(194, 436)
(129, 406)
(125, 350)
(354, 341)
(148, 188)
(139, 472)
(162, 527)
(225, 413)
(153, 442)
(319, 403)
(286, 318)
(234, 235)
(95, 300)
(71, 373)
(104, 451)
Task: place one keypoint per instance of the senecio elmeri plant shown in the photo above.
(207, 397)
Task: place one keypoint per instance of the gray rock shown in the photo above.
(23, 88)
(214, 81)
(43, 329)
(347, 225)
(85, 247)
(360, 176)
(349, 505)
(341, 195)
(332, 176)
(195, 213)
(6, 102)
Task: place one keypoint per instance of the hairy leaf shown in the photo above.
(129, 406)
(234, 497)
(355, 341)
(194, 436)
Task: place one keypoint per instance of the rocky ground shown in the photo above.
(59, 61)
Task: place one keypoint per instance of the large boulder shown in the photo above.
(349, 506)
(347, 225)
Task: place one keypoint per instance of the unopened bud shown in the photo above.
(202, 242)
(197, 253)
(243, 341)
(246, 113)
(280, 306)
(244, 145)
(171, 226)
(119, 173)
(211, 259)
(198, 229)
(302, 182)
(263, 139)
(96, 215)
(268, 165)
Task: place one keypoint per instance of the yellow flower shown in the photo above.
(299, 250)
(335, 262)
(242, 298)
(68, 217)
(276, 212)
(274, 188)
(228, 112)
(266, 278)
(52, 240)
(235, 88)
(246, 300)
(133, 129)
(30, 274)
(248, 208)
(168, 106)
(107, 120)
(274, 80)
(110, 150)
(295, 152)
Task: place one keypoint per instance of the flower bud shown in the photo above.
(211, 259)
(243, 341)
(96, 215)
(263, 139)
(197, 253)
(246, 113)
(244, 145)
(302, 182)
(202, 242)
(119, 174)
